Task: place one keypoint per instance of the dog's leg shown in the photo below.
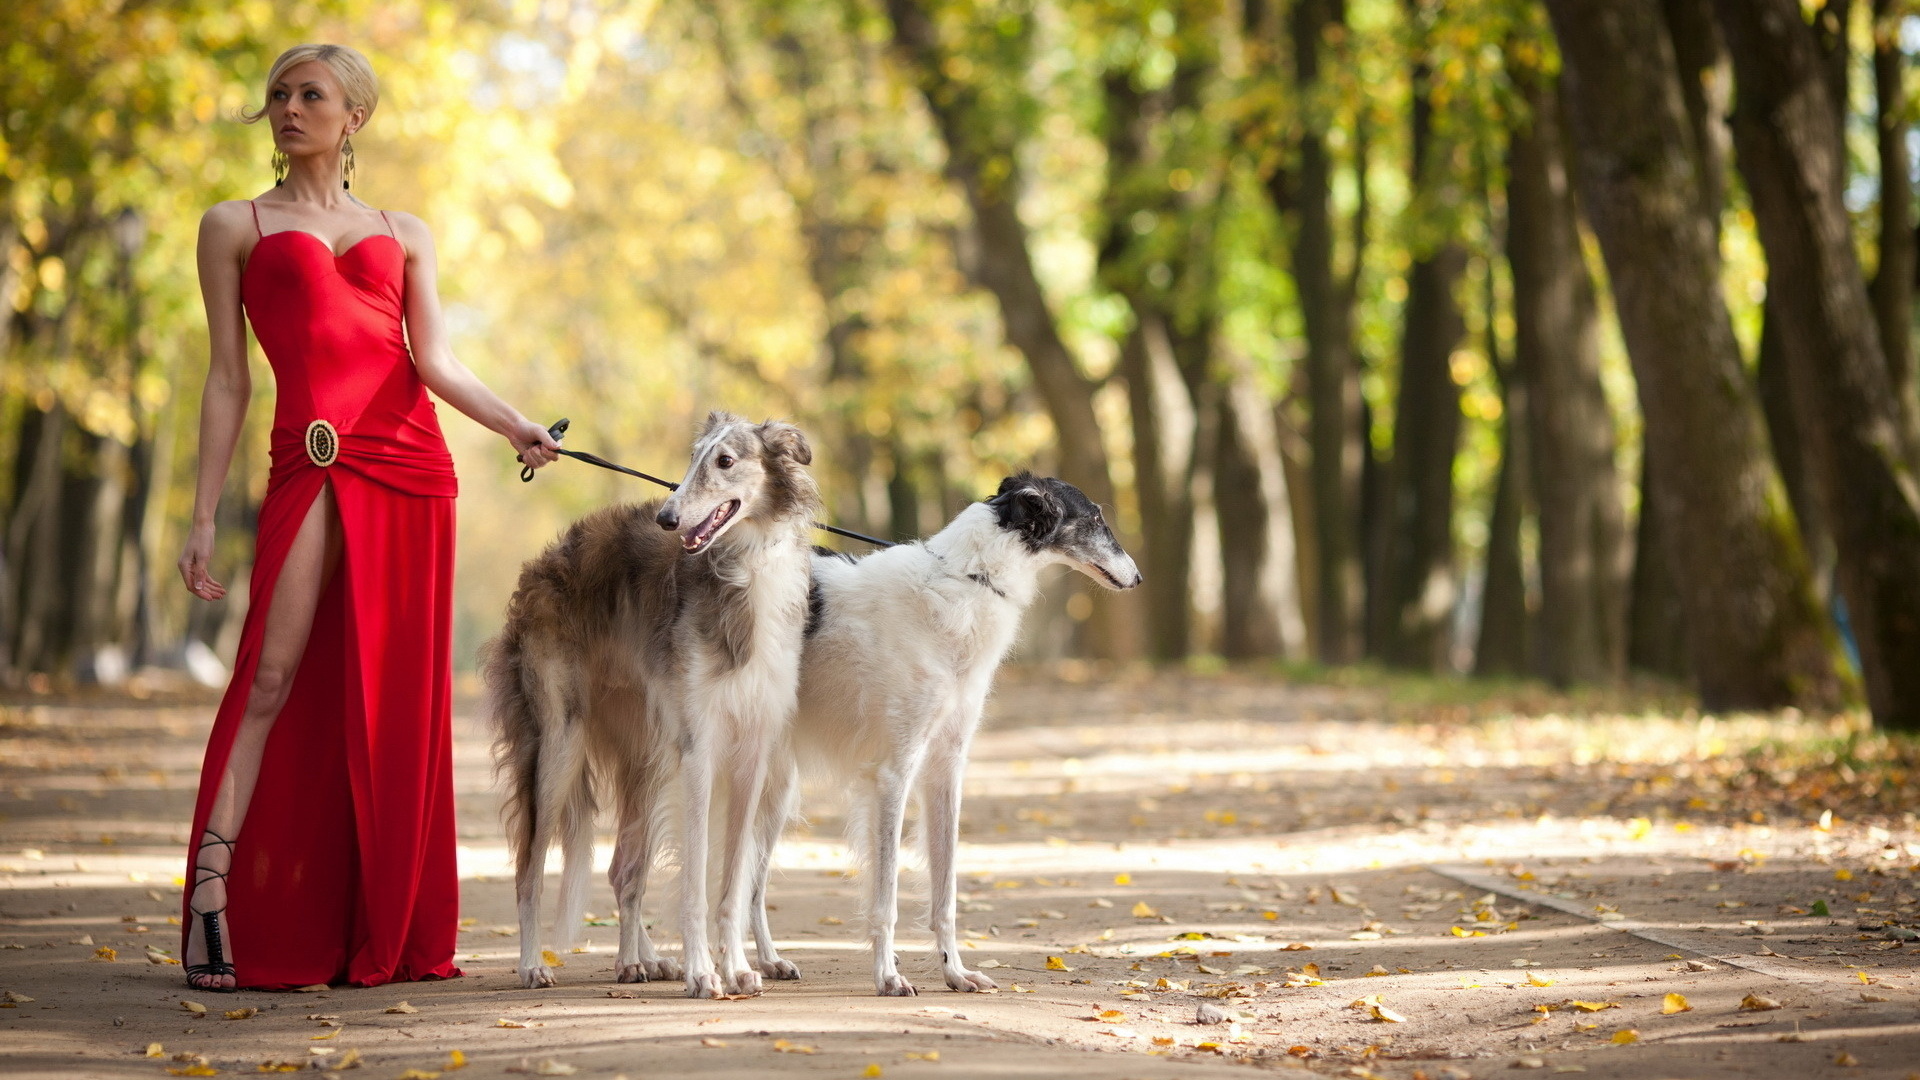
(638, 959)
(696, 784)
(776, 809)
(940, 804)
(890, 788)
(576, 849)
(740, 863)
(546, 786)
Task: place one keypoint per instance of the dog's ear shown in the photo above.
(786, 439)
(715, 419)
(1027, 507)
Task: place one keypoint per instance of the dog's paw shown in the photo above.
(968, 981)
(894, 986)
(662, 970)
(704, 985)
(634, 973)
(779, 969)
(744, 981)
(536, 977)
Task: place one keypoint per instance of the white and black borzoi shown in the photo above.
(651, 644)
(901, 651)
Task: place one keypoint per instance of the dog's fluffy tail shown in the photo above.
(516, 741)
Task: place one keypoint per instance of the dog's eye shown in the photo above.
(725, 461)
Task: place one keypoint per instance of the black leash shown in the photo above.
(559, 431)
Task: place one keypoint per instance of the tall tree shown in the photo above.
(1754, 634)
(1583, 553)
(1893, 277)
(1412, 589)
(1336, 435)
(1785, 134)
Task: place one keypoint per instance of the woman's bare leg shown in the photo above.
(296, 597)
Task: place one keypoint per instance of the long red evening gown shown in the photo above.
(343, 869)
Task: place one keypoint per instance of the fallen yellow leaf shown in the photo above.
(1054, 963)
(273, 1066)
(403, 1008)
(348, 1060)
(504, 1022)
(196, 1070)
(1675, 1003)
(923, 1055)
(1142, 911)
(1535, 980)
(1625, 1036)
(247, 1013)
(156, 1050)
(419, 1074)
(872, 1069)
(1845, 1060)
(551, 958)
(455, 1060)
(1594, 1006)
(713, 1043)
(1756, 1003)
(1123, 879)
(1843, 875)
(785, 1047)
(194, 1007)
(105, 952)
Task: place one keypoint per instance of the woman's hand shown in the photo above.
(194, 561)
(533, 443)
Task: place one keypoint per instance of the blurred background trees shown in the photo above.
(1562, 339)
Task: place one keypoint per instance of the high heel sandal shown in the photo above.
(216, 964)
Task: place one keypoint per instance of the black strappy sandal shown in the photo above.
(216, 964)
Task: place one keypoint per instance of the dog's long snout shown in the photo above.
(668, 518)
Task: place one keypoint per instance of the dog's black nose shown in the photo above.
(668, 518)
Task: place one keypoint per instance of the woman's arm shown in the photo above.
(433, 356)
(223, 403)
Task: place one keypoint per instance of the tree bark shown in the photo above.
(1414, 587)
(1260, 592)
(1571, 434)
(1787, 144)
(1656, 627)
(1163, 431)
(1003, 264)
(1754, 633)
(1505, 640)
(1335, 432)
(1893, 277)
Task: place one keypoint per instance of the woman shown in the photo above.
(323, 834)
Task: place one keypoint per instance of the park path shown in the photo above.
(1362, 885)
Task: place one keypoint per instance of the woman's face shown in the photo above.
(308, 111)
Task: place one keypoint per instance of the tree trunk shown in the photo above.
(1656, 627)
(1415, 576)
(1335, 433)
(1706, 81)
(1163, 432)
(1505, 624)
(1571, 434)
(1260, 594)
(1893, 277)
(1754, 634)
(989, 175)
(1785, 137)
(1774, 382)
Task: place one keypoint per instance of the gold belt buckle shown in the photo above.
(323, 443)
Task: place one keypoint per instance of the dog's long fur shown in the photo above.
(648, 644)
(901, 651)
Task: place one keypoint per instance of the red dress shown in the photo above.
(343, 869)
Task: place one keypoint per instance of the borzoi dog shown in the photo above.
(632, 656)
(901, 651)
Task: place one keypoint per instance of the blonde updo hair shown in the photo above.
(349, 66)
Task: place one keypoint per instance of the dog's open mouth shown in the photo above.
(698, 537)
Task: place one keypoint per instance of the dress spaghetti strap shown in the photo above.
(389, 221)
(256, 219)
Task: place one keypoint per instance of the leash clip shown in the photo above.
(558, 431)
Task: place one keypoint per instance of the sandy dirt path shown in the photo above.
(1363, 888)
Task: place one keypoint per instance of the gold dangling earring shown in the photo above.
(280, 166)
(346, 167)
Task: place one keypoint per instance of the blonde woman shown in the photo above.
(323, 842)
